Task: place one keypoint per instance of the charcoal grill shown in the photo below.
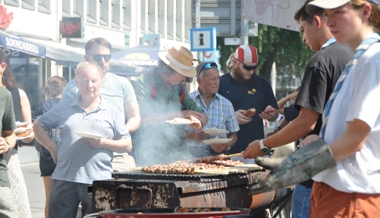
(136, 189)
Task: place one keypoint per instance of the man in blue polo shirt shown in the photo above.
(245, 89)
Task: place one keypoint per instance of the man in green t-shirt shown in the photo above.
(162, 96)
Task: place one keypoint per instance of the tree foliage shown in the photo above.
(284, 47)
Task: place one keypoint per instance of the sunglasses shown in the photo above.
(207, 66)
(247, 67)
(98, 57)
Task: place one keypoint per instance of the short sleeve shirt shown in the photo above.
(321, 74)
(257, 95)
(77, 160)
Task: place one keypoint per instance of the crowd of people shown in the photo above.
(101, 123)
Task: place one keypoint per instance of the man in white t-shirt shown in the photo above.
(115, 90)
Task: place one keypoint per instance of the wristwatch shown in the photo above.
(263, 147)
(9, 146)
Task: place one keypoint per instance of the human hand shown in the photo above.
(219, 147)
(253, 150)
(268, 113)
(241, 118)
(188, 113)
(309, 139)
(3, 146)
(195, 123)
(96, 143)
(299, 166)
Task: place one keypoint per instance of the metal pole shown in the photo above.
(243, 25)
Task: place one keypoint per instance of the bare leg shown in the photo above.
(48, 183)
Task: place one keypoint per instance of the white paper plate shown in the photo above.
(89, 135)
(180, 121)
(22, 129)
(18, 123)
(215, 131)
(216, 141)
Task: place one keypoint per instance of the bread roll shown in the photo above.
(22, 134)
(250, 112)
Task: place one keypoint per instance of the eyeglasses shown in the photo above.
(247, 67)
(207, 66)
(98, 57)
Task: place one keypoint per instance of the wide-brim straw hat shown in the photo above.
(180, 59)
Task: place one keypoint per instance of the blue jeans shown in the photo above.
(301, 202)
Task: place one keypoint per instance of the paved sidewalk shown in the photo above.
(35, 186)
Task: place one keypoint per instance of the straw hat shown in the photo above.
(179, 59)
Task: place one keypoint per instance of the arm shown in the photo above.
(123, 145)
(7, 136)
(350, 142)
(281, 103)
(45, 140)
(26, 113)
(134, 119)
(296, 129)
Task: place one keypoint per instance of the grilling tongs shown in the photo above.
(234, 155)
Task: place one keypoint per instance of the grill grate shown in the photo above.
(177, 177)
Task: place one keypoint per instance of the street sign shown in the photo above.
(224, 15)
(232, 41)
(203, 39)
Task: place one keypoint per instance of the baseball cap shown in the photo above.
(245, 53)
(317, 5)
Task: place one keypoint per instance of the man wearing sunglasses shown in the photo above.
(219, 110)
(245, 89)
(115, 89)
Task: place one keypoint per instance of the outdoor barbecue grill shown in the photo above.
(136, 189)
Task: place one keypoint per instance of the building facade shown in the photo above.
(125, 23)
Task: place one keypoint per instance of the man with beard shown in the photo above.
(115, 89)
(245, 89)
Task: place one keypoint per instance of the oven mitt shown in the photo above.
(298, 167)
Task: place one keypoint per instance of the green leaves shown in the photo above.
(274, 44)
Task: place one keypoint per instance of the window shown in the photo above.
(127, 18)
(12, 2)
(179, 19)
(188, 21)
(91, 11)
(104, 20)
(44, 6)
(162, 17)
(28, 4)
(115, 7)
(152, 14)
(78, 8)
(66, 9)
(143, 16)
(170, 19)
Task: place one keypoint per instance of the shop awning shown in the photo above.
(66, 55)
(21, 44)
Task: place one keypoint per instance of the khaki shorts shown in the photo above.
(123, 163)
(327, 202)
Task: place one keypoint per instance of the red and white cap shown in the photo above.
(245, 53)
